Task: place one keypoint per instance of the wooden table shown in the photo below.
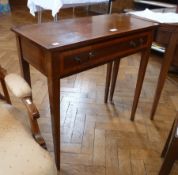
(70, 46)
(166, 35)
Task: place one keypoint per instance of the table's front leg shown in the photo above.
(141, 75)
(54, 100)
(164, 70)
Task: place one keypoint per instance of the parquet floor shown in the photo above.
(99, 138)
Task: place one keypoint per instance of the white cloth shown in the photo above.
(157, 16)
(83, 1)
(56, 5)
(53, 5)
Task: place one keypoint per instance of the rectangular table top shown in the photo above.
(65, 33)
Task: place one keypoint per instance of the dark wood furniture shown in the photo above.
(170, 151)
(166, 35)
(70, 46)
(33, 113)
(16, 135)
(5, 94)
(160, 6)
(18, 3)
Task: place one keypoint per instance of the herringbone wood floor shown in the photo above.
(99, 138)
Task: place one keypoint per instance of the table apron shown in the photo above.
(82, 58)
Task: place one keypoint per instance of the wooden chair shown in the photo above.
(170, 151)
(21, 150)
(5, 95)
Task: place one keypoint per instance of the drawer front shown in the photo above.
(77, 60)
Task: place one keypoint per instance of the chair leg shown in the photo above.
(170, 157)
(6, 94)
(33, 115)
(168, 140)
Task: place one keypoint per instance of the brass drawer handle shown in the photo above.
(84, 59)
(91, 54)
(133, 44)
(77, 59)
(81, 60)
(141, 41)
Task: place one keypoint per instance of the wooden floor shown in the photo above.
(99, 138)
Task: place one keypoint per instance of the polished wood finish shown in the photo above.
(25, 69)
(141, 73)
(67, 43)
(170, 150)
(94, 134)
(53, 80)
(114, 77)
(108, 80)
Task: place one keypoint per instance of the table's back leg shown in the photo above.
(108, 80)
(24, 65)
(114, 78)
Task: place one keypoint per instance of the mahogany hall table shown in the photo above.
(167, 36)
(60, 49)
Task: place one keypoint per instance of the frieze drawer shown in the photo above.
(76, 60)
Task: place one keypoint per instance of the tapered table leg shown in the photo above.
(170, 157)
(114, 78)
(54, 99)
(108, 80)
(166, 146)
(141, 75)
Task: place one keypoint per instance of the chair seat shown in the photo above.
(19, 153)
